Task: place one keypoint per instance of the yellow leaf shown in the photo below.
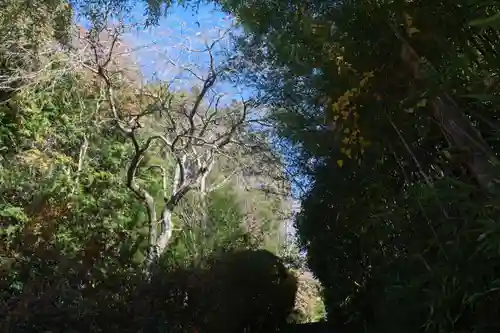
(340, 163)
(343, 100)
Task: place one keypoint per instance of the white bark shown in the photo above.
(193, 135)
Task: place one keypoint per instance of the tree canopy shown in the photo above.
(392, 108)
(155, 204)
(122, 196)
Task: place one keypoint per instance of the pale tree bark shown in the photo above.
(191, 133)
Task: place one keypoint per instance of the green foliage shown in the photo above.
(73, 240)
(217, 227)
(380, 101)
(73, 237)
(396, 222)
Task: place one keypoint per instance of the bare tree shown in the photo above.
(192, 131)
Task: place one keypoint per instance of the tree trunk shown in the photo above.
(166, 231)
(458, 130)
(158, 241)
(456, 127)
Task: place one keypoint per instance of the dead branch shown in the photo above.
(193, 132)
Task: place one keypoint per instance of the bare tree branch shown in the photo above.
(195, 133)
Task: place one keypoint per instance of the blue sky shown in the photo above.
(181, 29)
(168, 42)
(177, 32)
(168, 46)
(179, 26)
